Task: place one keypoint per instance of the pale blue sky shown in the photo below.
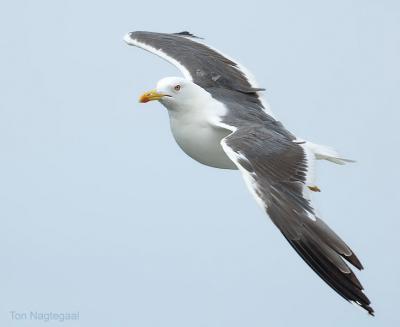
(103, 214)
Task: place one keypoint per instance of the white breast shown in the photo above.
(202, 142)
(194, 115)
(198, 137)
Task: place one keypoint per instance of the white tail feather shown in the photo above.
(323, 152)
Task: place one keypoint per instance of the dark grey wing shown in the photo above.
(276, 169)
(198, 62)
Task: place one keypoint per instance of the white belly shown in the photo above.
(201, 141)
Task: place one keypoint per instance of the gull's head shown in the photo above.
(174, 92)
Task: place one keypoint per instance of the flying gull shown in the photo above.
(219, 118)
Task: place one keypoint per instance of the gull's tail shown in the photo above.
(323, 152)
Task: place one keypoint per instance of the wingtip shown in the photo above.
(353, 259)
(366, 306)
(371, 311)
(128, 38)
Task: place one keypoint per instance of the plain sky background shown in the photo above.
(102, 213)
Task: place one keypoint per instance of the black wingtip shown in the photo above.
(366, 306)
(371, 311)
(354, 261)
(187, 34)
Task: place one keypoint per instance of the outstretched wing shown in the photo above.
(200, 63)
(197, 61)
(275, 169)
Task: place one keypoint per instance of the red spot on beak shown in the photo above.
(144, 98)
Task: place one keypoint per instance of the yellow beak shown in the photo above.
(150, 96)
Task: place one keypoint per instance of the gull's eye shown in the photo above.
(177, 87)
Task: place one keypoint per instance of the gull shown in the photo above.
(219, 118)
